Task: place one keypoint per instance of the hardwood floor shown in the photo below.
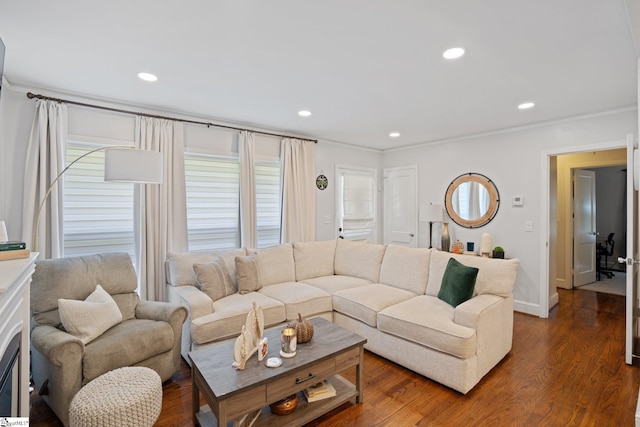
(565, 370)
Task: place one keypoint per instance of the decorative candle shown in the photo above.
(485, 244)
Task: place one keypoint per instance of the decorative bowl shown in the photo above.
(285, 406)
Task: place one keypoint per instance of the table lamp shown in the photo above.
(431, 213)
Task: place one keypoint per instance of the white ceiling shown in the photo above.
(363, 68)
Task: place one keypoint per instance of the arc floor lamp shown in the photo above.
(121, 163)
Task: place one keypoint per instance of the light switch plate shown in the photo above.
(518, 201)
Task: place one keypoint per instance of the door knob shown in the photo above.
(411, 234)
(628, 261)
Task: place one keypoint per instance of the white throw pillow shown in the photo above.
(90, 318)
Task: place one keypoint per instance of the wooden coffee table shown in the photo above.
(231, 393)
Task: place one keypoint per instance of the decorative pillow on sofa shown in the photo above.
(275, 264)
(90, 318)
(314, 259)
(457, 283)
(214, 279)
(247, 274)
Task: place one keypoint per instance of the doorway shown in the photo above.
(565, 244)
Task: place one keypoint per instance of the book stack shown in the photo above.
(13, 250)
(319, 391)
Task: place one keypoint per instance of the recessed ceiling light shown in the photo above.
(526, 105)
(147, 77)
(453, 53)
(394, 134)
(304, 113)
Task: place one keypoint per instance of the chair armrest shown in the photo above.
(198, 302)
(57, 346)
(161, 311)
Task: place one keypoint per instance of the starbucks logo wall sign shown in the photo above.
(322, 182)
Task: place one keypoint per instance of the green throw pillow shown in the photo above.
(458, 282)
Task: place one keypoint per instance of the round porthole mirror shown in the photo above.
(472, 200)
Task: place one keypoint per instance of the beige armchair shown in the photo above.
(148, 335)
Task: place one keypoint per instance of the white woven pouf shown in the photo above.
(129, 396)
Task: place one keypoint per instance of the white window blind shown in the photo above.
(357, 204)
(268, 210)
(213, 201)
(98, 215)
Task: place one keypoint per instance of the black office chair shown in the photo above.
(605, 249)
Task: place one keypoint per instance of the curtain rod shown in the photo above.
(117, 110)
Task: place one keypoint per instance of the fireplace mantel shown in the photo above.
(15, 277)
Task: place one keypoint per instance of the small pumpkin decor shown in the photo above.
(304, 329)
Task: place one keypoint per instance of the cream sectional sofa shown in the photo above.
(388, 294)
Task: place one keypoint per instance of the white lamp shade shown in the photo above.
(133, 165)
(431, 213)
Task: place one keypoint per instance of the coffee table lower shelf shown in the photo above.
(304, 413)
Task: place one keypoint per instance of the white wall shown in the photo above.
(18, 114)
(514, 161)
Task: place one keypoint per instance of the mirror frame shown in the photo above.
(494, 203)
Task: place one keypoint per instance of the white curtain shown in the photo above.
(248, 214)
(45, 161)
(161, 219)
(298, 190)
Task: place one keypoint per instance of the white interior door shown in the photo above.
(401, 206)
(631, 326)
(584, 227)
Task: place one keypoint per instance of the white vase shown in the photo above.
(485, 244)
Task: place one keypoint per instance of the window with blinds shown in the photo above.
(357, 204)
(268, 210)
(98, 215)
(213, 202)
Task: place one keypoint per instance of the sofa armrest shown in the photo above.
(491, 316)
(198, 302)
(470, 312)
(56, 346)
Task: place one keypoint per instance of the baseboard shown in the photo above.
(554, 300)
(528, 308)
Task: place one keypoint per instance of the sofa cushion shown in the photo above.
(275, 264)
(214, 279)
(406, 268)
(458, 282)
(300, 298)
(333, 284)
(314, 259)
(428, 321)
(359, 259)
(495, 276)
(247, 274)
(180, 264)
(364, 302)
(90, 318)
(126, 344)
(230, 313)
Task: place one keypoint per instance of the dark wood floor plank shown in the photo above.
(565, 370)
